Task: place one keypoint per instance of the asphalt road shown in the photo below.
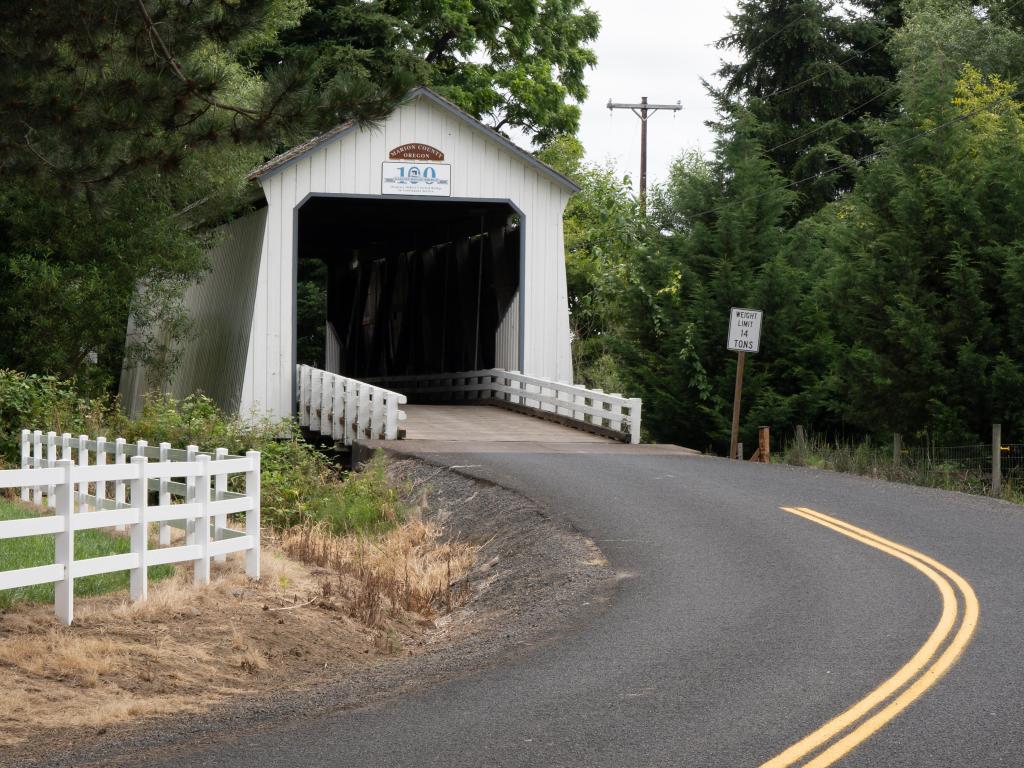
(737, 629)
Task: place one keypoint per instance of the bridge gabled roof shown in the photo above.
(285, 159)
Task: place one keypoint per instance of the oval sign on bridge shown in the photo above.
(744, 330)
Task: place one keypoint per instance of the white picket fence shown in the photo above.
(346, 409)
(87, 496)
(573, 402)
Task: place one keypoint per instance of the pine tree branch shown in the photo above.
(167, 56)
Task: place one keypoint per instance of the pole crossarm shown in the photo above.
(649, 107)
(643, 110)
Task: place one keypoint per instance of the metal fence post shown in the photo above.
(997, 459)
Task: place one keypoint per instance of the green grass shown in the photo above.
(31, 551)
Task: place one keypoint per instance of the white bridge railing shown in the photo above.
(591, 408)
(86, 496)
(347, 409)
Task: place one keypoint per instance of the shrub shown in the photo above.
(28, 401)
(299, 483)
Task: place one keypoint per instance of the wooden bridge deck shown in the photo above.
(487, 423)
(490, 429)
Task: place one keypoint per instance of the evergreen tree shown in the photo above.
(811, 75)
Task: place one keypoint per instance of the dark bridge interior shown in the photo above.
(412, 286)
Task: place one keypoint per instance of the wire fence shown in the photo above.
(955, 467)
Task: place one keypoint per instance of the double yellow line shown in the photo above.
(959, 618)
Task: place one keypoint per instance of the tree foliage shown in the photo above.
(128, 127)
(891, 273)
(517, 64)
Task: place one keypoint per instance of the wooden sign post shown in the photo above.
(744, 336)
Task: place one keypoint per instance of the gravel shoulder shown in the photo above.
(536, 577)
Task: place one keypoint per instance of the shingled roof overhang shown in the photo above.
(285, 159)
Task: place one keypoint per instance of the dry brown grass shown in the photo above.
(408, 569)
(189, 647)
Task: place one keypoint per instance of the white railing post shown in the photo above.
(190, 494)
(101, 459)
(305, 377)
(26, 462)
(598, 403)
(338, 409)
(64, 546)
(314, 401)
(201, 573)
(351, 411)
(164, 498)
(252, 517)
(83, 488)
(615, 420)
(579, 400)
(220, 485)
(51, 461)
(635, 407)
(327, 404)
(363, 410)
(119, 458)
(377, 415)
(391, 417)
(139, 578)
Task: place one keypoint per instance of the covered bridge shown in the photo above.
(444, 253)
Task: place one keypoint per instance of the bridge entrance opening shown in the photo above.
(407, 287)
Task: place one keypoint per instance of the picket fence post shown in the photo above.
(101, 459)
(119, 484)
(139, 578)
(37, 461)
(201, 574)
(252, 517)
(25, 461)
(220, 484)
(64, 546)
(83, 488)
(190, 494)
(164, 498)
(51, 461)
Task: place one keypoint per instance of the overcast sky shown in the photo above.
(660, 49)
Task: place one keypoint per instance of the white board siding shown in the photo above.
(350, 164)
(220, 309)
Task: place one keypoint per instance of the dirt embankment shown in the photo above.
(479, 573)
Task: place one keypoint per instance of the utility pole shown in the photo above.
(643, 110)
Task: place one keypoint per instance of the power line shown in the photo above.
(826, 124)
(811, 79)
